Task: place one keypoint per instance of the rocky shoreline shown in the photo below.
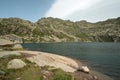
(68, 65)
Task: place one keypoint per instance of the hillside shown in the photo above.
(57, 30)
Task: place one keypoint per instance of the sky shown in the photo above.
(74, 10)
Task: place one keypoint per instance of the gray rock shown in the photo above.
(45, 72)
(2, 72)
(18, 78)
(17, 46)
(84, 69)
(95, 77)
(16, 64)
(12, 37)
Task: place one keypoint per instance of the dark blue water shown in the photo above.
(103, 57)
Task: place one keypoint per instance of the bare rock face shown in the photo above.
(16, 64)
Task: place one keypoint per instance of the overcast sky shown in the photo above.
(75, 10)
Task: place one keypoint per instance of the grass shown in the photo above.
(61, 75)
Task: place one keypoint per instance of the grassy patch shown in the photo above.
(61, 75)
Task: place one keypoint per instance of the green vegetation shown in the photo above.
(61, 75)
(57, 30)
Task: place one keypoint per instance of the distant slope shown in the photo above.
(57, 30)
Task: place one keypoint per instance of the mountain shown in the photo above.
(58, 30)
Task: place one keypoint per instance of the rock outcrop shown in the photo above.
(44, 65)
(12, 37)
(5, 42)
(9, 45)
(46, 59)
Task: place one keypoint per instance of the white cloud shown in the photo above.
(98, 12)
(64, 8)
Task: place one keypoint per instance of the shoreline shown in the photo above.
(65, 63)
(93, 73)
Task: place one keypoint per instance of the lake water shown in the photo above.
(102, 57)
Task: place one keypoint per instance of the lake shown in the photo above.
(102, 57)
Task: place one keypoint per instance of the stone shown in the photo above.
(12, 37)
(84, 69)
(18, 78)
(17, 46)
(45, 72)
(16, 64)
(2, 72)
(1, 49)
(95, 77)
(52, 68)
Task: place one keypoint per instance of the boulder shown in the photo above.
(12, 37)
(16, 64)
(84, 69)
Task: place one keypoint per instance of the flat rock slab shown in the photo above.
(48, 59)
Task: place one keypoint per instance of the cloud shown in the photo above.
(98, 12)
(64, 8)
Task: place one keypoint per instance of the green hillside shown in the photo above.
(57, 30)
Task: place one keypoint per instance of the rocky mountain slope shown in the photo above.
(57, 30)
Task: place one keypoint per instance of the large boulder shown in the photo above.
(16, 64)
(12, 37)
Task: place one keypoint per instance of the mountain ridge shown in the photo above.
(58, 30)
